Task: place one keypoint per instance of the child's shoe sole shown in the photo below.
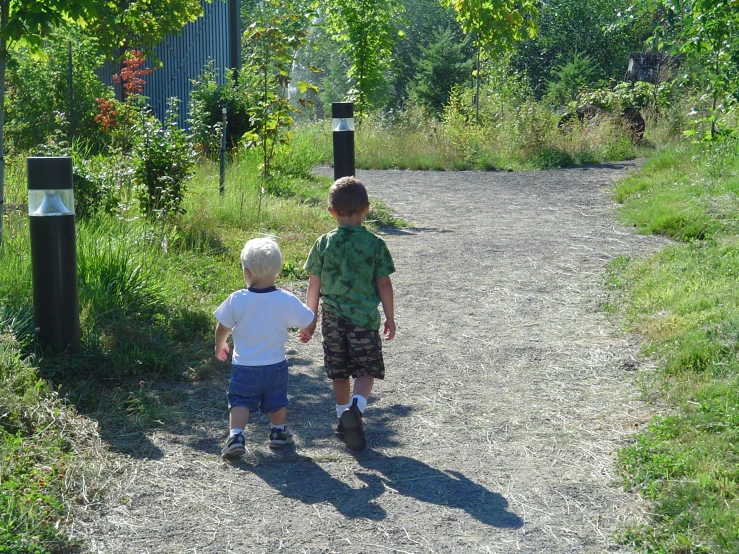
(351, 420)
(234, 449)
(280, 440)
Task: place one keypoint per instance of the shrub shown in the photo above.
(164, 160)
(207, 100)
(38, 93)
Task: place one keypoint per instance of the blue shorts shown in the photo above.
(258, 387)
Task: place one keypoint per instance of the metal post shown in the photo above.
(53, 251)
(70, 83)
(342, 124)
(222, 181)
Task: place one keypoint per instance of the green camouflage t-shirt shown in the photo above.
(349, 260)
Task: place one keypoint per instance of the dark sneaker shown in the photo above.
(351, 420)
(279, 438)
(235, 447)
(339, 430)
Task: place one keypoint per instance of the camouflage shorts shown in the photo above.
(349, 351)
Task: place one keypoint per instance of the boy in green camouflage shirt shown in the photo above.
(349, 270)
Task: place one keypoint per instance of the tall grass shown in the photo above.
(513, 134)
(685, 302)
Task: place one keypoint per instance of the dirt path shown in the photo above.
(507, 394)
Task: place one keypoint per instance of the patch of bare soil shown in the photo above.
(506, 397)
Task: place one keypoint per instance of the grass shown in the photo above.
(523, 136)
(685, 302)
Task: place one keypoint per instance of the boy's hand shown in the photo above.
(222, 352)
(306, 333)
(389, 329)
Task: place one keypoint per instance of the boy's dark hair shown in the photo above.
(347, 196)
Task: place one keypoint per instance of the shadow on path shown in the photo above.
(451, 489)
(307, 482)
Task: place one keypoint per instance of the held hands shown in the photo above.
(222, 352)
(389, 329)
(305, 333)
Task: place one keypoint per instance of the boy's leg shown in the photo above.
(278, 418)
(235, 446)
(365, 358)
(238, 417)
(342, 390)
(279, 436)
(363, 386)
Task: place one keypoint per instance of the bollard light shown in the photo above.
(53, 252)
(342, 124)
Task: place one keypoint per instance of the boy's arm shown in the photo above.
(222, 333)
(311, 300)
(385, 290)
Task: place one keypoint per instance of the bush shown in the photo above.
(207, 100)
(37, 97)
(164, 161)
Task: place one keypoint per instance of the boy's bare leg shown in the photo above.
(363, 386)
(342, 391)
(278, 417)
(238, 417)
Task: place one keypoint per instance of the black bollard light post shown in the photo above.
(53, 252)
(342, 124)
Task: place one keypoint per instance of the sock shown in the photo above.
(361, 402)
(280, 427)
(235, 432)
(341, 407)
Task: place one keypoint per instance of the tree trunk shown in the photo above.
(4, 13)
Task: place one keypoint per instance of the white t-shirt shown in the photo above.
(259, 320)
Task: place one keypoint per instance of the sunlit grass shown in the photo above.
(685, 302)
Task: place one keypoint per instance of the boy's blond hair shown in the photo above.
(261, 257)
(347, 196)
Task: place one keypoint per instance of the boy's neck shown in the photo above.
(261, 284)
(354, 220)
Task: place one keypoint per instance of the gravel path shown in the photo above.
(506, 396)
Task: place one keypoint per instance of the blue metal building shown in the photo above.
(215, 36)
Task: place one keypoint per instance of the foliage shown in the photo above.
(274, 40)
(24, 24)
(207, 100)
(443, 64)
(496, 25)
(420, 19)
(38, 90)
(703, 31)
(640, 95)
(164, 160)
(571, 27)
(364, 31)
(569, 80)
(140, 22)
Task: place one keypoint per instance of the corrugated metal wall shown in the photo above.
(183, 58)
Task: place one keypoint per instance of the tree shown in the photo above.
(141, 23)
(495, 26)
(273, 41)
(440, 66)
(421, 18)
(706, 32)
(569, 30)
(364, 29)
(25, 24)
(113, 23)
